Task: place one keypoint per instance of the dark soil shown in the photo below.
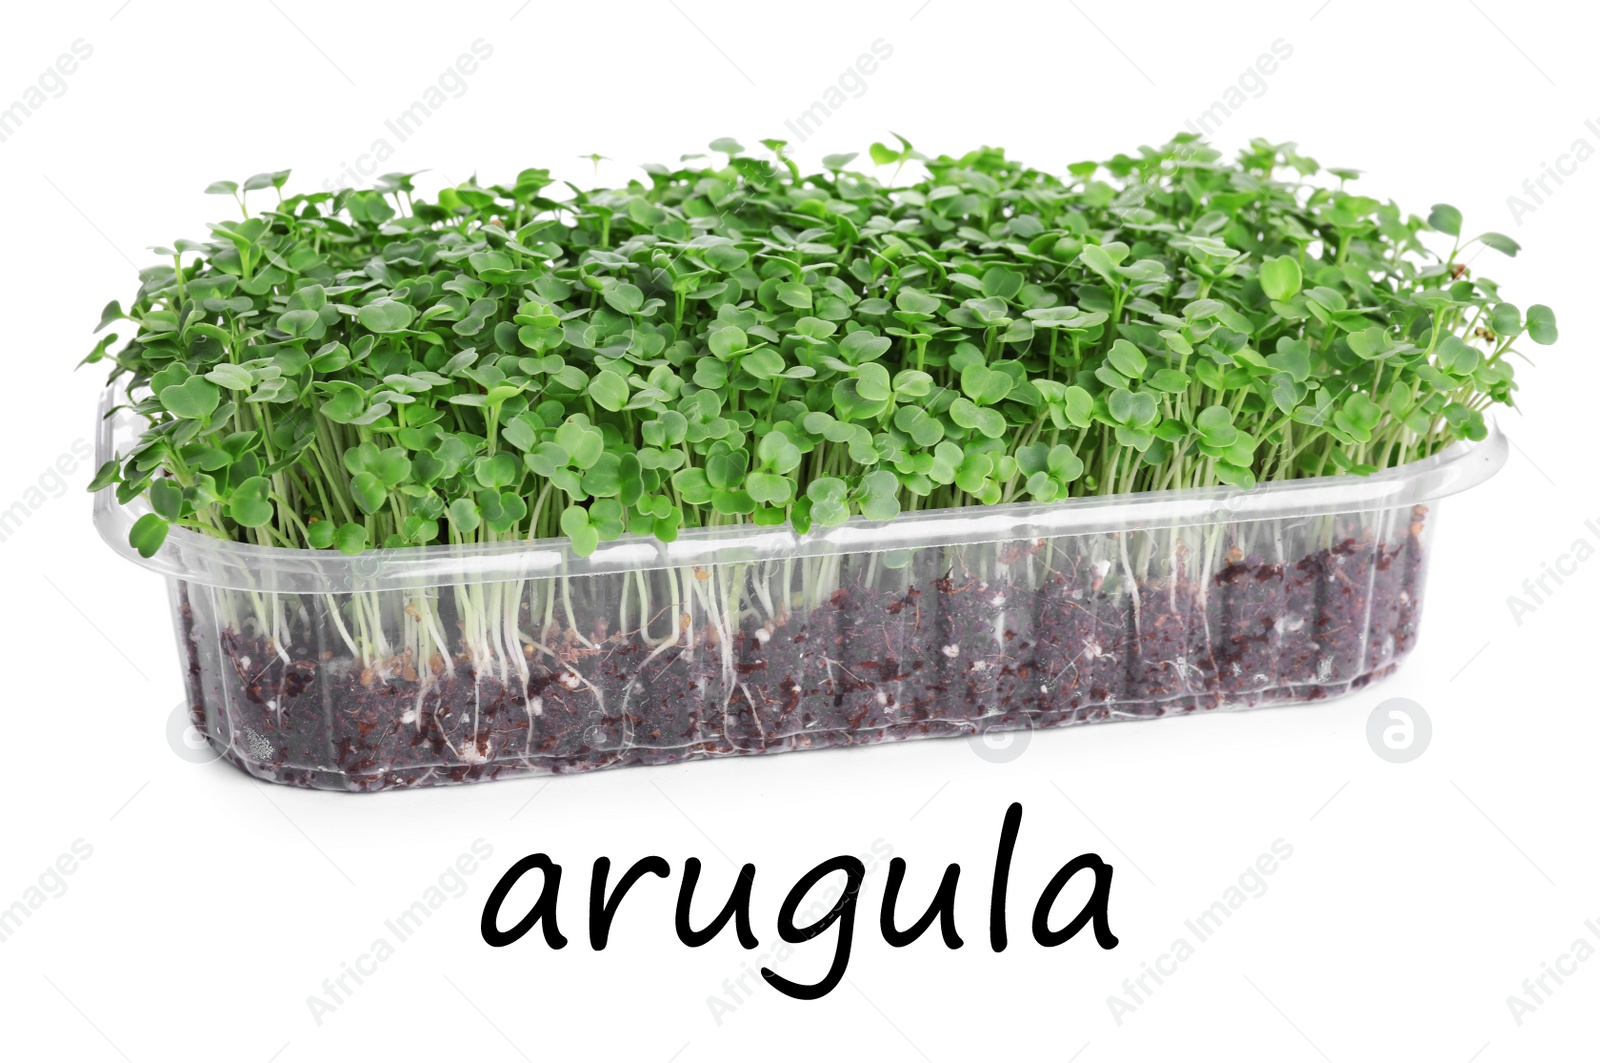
(941, 654)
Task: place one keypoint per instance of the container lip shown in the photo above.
(202, 559)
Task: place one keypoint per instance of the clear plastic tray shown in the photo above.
(435, 665)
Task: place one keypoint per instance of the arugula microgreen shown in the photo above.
(735, 341)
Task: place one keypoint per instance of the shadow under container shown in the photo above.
(425, 666)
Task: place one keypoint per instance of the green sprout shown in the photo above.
(730, 341)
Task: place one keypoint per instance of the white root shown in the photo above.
(1133, 582)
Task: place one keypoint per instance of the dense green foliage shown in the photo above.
(735, 340)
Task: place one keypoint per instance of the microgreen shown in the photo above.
(738, 342)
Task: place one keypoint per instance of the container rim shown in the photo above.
(202, 559)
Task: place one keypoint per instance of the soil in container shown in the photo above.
(1255, 603)
(923, 654)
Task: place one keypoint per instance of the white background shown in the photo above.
(1418, 896)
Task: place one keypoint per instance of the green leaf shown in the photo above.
(879, 495)
(763, 363)
(727, 342)
(1542, 324)
(1445, 218)
(147, 534)
(166, 498)
(1358, 416)
(1133, 409)
(913, 301)
(924, 429)
(1001, 283)
(725, 469)
(100, 350)
(195, 398)
(1280, 277)
(1215, 425)
(609, 390)
(1104, 259)
(582, 442)
(983, 385)
(1457, 357)
(583, 535)
(1501, 243)
(112, 312)
(266, 180)
(1293, 357)
(1371, 342)
(1064, 464)
(391, 466)
(769, 489)
(386, 315)
(495, 472)
(1505, 319)
(863, 346)
(883, 155)
(1238, 476)
(795, 295)
(725, 258)
(1127, 359)
(350, 538)
(347, 402)
(1170, 381)
(250, 506)
(693, 486)
(464, 515)
(872, 383)
(368, 492)
(319, 534)
(232, 377)
(624, 298)
(108, 474)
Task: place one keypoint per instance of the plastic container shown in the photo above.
(440, 665)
